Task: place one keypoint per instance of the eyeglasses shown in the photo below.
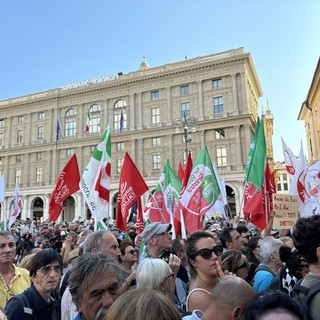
(47, 269)
(131, 252)
(244, 265)
(207, 253)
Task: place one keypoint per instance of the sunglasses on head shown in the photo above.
(207, 253)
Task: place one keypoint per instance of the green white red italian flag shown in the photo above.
(95, 181)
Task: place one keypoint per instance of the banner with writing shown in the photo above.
(286, 209)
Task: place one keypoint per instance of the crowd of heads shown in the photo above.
(111, 276)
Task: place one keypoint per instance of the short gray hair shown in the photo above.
(151, 272)
(88, 267)
(269, 246)
(95, 240)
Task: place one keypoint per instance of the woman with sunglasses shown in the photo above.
(203, 255)
(40, 300)
(126, 263)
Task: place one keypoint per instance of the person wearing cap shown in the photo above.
(157, 238)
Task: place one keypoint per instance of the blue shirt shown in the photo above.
(262, 280)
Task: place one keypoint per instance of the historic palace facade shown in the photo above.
(218, 92)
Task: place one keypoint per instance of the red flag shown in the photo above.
(253, 206)
(270, 187)
(180, 172)
(66, 185)
(139, 223)
(131, 188)
(186, 174)
(184, 179)
(260, 203)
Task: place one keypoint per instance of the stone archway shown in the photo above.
(232, 208)
(68, 212)
(114, 206)
(37, 208)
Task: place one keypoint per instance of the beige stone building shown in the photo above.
(221, 91)
(281, 178)
(310, 114)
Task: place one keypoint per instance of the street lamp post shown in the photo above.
(185, 122)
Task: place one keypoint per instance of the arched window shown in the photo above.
(70, 123)
(120, 116)
(94, 122)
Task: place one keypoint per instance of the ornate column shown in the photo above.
(81, 110)
(171, 158)
(244, 103)
(202, 138)
(131, 115)
(235, 94)
(9, 132)
(140, 112)
(238, 146)
(169, 104)
(200, 98)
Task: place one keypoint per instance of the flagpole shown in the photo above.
(241, 204)
(57, 137)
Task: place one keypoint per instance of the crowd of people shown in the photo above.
(230, 269)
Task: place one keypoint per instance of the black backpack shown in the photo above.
(26, 306)
(304, 295)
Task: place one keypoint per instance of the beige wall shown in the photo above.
(240, 91)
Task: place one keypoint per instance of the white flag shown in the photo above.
(300, 185)
(290, 159)
(16, 206)
(314, 183)
(95, 181)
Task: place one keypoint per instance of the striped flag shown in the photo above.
(16, 206)
(88, 121)
(254, 199)
(95, 181)
(58, 129)
(121, 121)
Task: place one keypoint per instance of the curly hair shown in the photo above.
(306, 237)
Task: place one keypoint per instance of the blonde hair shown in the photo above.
(26, 261)
(141, 304)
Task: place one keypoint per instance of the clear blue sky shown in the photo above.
(48, 44)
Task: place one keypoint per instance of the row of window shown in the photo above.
(155, 95)
(20, 119)
(119, 119)
(184, 89)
